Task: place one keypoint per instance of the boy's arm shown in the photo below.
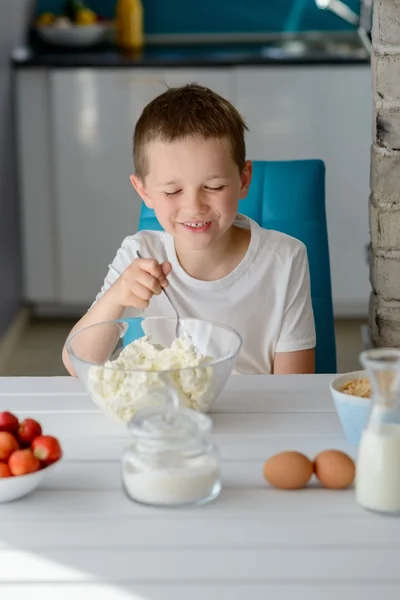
(291, 363)
(294, 352)
(130, 282)
(106, 307)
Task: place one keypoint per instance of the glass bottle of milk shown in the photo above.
(378, 464)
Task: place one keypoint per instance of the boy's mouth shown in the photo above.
(197, 226)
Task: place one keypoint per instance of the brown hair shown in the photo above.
(191, 110)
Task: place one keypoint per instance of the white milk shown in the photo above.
(378, 469)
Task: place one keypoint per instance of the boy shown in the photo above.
(189, 154)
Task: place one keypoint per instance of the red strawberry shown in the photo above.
(8, 422)
(8, 445)
(23, 462)
(47, 449)
(4, 470)
(28, 430)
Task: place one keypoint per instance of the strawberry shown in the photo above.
(28, 430)
(8, 422)
(47, 449)
(23, 462)
(8, 445)
(4, 470)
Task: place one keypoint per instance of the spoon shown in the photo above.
(179, 329)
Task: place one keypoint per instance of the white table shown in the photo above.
(79, 538)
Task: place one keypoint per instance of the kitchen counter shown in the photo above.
(275, 50)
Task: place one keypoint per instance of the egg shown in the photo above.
(334, 469)
(288, 470)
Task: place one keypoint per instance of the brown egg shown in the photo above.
(334, 469)
(288, 470)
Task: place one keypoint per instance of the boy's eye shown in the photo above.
(216, 189)
(211, 189)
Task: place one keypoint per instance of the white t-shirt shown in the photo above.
(266, 298)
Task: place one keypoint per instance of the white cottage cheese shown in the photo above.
(124, 392)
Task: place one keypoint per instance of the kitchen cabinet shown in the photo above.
(75, 152)
(321, 112)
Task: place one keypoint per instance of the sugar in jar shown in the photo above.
(171, 462)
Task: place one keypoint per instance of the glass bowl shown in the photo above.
(126, 364)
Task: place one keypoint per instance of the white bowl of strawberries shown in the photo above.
(26, 455)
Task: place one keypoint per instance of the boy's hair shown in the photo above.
(191, 110)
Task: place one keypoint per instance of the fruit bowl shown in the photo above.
(13, 488)
(73, 36)
(26, 455)
(130, 364)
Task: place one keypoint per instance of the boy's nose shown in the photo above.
(195, 205)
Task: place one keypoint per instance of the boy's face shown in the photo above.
(194, 187)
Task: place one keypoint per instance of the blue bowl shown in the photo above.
(353, 411)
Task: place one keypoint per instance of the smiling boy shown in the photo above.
(191, 168)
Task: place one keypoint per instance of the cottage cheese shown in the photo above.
(122, 392)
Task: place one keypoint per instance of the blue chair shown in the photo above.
(289, 196)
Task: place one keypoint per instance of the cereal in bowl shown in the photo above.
(357, 387)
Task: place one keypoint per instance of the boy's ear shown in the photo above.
(246, 179)
(141, 190)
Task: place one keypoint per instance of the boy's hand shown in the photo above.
(143, 279)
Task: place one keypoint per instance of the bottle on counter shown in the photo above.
(378, 464)
(129, 25)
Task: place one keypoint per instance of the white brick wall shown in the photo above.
(384, 210)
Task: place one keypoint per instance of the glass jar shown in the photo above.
(170, 463)
(378, 464)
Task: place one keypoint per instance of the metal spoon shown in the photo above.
(179, 329)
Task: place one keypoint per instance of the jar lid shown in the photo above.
(161, 424)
